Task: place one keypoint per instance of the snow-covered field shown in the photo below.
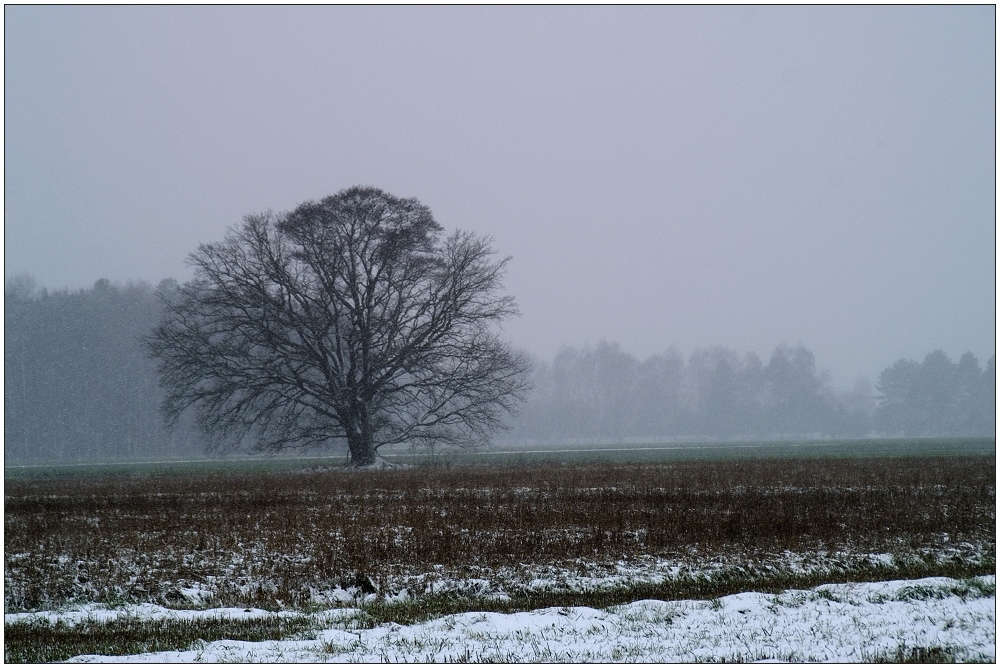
(915, 619)
(588, 576)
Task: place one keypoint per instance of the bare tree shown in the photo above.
(346, 318)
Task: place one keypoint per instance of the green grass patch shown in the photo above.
(43, 642)
(173, 468)
(549, 455)
(922, 655)
(412, 611)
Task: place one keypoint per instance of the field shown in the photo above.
(290, 543)
(543, 455)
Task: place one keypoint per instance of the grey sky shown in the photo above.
(684, 176)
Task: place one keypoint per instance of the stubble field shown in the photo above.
(408, 546)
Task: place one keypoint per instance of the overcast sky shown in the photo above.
(687, 176)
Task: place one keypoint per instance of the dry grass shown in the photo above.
(270, 539)
(266, 539)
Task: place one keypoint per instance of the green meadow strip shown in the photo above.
(421, 609)
(42, 641)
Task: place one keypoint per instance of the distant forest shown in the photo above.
(78, 385)
(604, 394)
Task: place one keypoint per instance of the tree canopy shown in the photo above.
(352, 317)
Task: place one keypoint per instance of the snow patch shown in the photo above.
(857, 622)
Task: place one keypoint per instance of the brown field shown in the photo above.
(268, 538)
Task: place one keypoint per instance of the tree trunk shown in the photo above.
(361, 443)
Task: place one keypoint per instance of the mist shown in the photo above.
(80, 385)
(689, 177)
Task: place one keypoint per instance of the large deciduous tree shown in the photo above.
(352, 317)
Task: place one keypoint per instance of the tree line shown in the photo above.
(79, 384)
(938, 397)
(602, 393)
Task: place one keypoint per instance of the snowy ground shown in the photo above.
(845, 622)
(477, 582)
(588, 576)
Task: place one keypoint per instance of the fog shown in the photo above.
(78, 385)
(662, 176)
